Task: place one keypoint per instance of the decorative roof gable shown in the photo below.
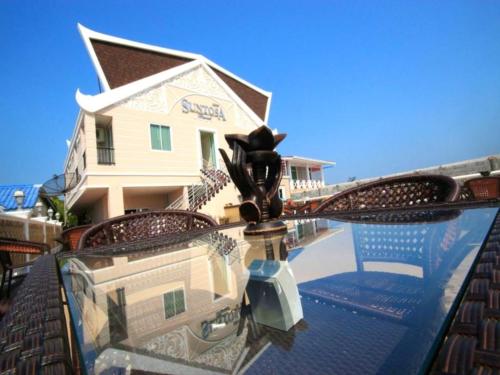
(119, 62)
(146, 94)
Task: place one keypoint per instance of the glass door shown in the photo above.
(208, 150)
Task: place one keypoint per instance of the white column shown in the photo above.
(115, 201)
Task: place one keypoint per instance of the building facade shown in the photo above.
(151, 138)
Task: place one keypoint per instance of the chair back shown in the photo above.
(394, 192)
(143, 225)
(484, 187)
(9, 246)
(71, 237)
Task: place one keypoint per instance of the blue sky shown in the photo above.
(378, 87)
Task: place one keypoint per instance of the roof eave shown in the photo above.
(317, 161)
(88, 34)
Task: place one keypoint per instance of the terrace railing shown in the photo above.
(105, 155)
(306, 184)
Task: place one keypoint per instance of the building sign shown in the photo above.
(222, 318)
(206, 112)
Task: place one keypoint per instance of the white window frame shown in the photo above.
(161, 140)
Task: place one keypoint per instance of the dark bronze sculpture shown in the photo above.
(256, 171)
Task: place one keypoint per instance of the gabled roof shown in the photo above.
(7, 196)
(95, 103)
(119, 62)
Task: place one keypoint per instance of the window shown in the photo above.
(160, 137)
(84, 161)
(173, 303)
(220, 275)
(104, 142)
(117, 315)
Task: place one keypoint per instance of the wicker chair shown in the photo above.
(71, 237)
(484, 187)
(394, 192)
(9, 246)
(33, 334)
(143, 225)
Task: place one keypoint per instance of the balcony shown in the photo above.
(105, 155)
(306, 184)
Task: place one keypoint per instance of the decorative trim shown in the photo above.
(86, 34)
(99, 102)
(95, 103)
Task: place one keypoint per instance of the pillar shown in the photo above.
(115, 201)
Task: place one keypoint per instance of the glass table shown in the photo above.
(350, 295)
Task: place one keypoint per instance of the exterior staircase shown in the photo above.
(212, 181)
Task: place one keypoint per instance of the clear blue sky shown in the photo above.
(378, 87)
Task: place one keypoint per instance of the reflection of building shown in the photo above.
(180, 309)
(307, 231)
(180, 304)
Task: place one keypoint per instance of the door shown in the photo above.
(208, 150)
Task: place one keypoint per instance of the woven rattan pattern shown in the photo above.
(71, 237)
(472, 345)
(25, 247)
(33, 337)
(395, 192)
(129, 228)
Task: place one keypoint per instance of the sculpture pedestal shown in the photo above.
(266, 227)
(273, 293)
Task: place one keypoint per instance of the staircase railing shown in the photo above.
(212, 181)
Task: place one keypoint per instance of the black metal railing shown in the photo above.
(105, 155)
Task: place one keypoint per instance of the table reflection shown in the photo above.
(225, 302)
(206, 303)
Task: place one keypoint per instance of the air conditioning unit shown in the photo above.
(100, 134)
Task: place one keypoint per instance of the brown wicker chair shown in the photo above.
(293, 208)
(484, 187)
(394, 192)
(33, 334)
(71, 237)
(9, 246)
(143, 225)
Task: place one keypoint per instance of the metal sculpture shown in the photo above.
(255, 169)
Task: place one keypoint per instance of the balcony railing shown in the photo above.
(306, 184)
(105, 155)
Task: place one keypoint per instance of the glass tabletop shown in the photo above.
(361, 294)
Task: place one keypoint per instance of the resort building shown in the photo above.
(150, 139)
(302, 174)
